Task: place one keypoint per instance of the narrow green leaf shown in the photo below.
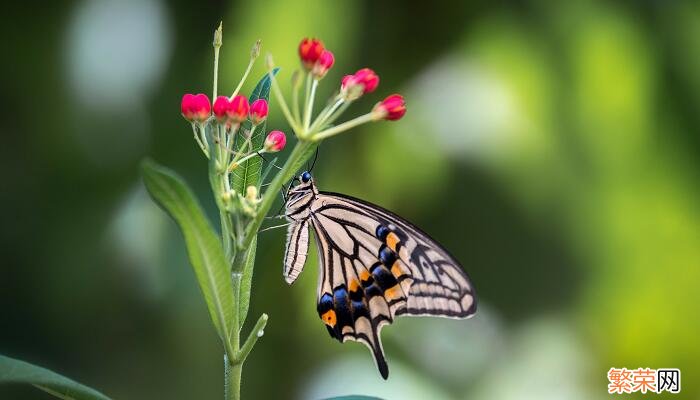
(248, 173)
(17, 371)
(246, 283)
(203, 244)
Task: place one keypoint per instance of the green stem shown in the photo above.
(253, 336)
(343, 127)
(310, 105)
(243, 78)
(320, 121)
(283, 104)
(232, 376)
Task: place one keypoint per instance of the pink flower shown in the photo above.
(309, 51)
(221, 107)
(238, 109)
(195, 107)
(365, 77)
(275, 141)
(323, 64)
(391, 108)
(258, 111)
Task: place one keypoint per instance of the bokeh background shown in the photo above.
(552, 146)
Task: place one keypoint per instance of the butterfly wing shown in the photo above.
(297, 249)
(376, 266)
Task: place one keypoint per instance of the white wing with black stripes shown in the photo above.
(374, 266)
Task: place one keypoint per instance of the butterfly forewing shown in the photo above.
(374, 266)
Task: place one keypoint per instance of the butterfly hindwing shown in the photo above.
(297, 250)
(375, 266)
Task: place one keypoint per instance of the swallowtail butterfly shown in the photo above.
(374, 266)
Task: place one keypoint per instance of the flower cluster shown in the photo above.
(229, 112)
(221, 132)
(316, 61)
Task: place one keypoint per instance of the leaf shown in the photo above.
(246, 283)
(248, 173)
(203, 244)
(17, 371)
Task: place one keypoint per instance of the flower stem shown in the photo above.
(310, 104)
(325, 114)
(343, 127)
(217, 46)
(280, 98)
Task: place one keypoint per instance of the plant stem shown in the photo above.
(310, 105)
(283, 104)
(232, 376)
(343, 127)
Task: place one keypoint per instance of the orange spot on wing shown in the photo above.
(392, 240)
(396, 269)
(364, 275)
(393, 292)
(329, 318)
(353, 285)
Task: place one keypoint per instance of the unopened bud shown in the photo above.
(219, 36)
(251, 193)
(255, 51)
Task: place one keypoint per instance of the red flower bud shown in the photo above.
(345, 81)
(368, 78)
(309, 51)
(323, 64)
(275, 141)
(362, 82)
(238, 109)
(258, 111)
(221, 107)
(195, 107)
(391, 108)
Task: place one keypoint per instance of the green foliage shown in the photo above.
(248, 173)
(203, 245)
(16, 371)
(247, 283)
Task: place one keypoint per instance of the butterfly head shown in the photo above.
(303, 192)
(305, 177)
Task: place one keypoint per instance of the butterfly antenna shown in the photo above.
(265, 159)
(313, 163)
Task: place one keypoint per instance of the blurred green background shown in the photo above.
(552, 146)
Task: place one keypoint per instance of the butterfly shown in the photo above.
(374, 266)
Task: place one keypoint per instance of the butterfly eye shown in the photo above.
(306, 177)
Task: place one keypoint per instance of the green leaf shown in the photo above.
(246, 283)
(248, 173)
(203, 244)
(16, 371)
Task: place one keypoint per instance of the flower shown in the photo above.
(275, 141)
(195, 107)
(323, 64)
(391, 108)
(238, 109)
(221, 107)
(361, 82)
(309, 52)
(258, 111)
